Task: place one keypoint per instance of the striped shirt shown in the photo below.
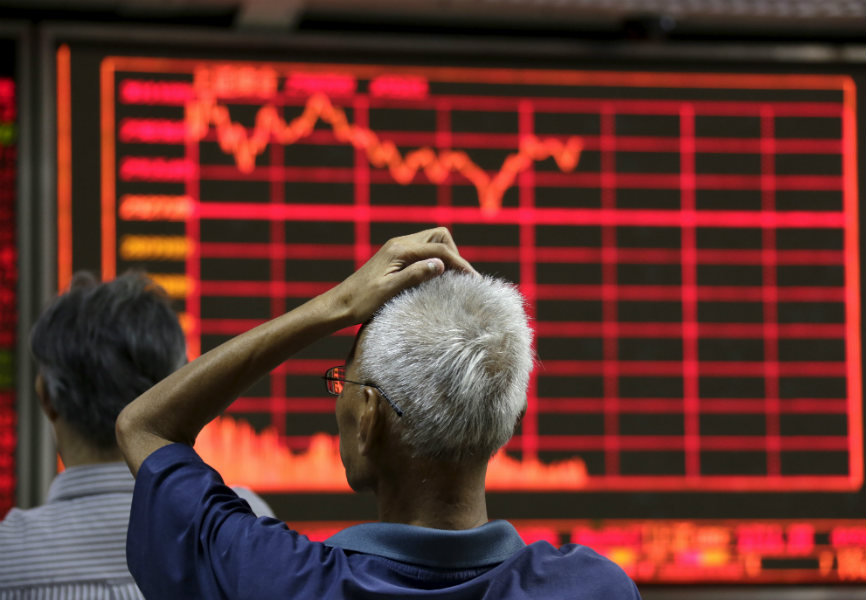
(74, 546)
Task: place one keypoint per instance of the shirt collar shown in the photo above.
(89, 480)
(483, 546)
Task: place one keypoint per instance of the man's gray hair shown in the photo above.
(455, 354)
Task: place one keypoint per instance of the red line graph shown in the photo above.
(729, 292)
(234, 139)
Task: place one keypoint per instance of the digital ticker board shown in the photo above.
(687, 243)
(8, 275)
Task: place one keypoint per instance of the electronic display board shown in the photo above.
(688, 244)
(8, 275)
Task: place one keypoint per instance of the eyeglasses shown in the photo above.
(335, 379)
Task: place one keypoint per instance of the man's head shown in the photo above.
(455, 355)
(101, 345)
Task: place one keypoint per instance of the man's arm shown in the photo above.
(177, 408)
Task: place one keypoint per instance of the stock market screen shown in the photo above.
(688, 244)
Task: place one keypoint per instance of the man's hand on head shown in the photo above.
(176, 409)
(401, 263)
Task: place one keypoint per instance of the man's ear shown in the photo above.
(370, 421)
(44, 400)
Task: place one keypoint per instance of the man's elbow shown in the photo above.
(137, 437)
(124, 430)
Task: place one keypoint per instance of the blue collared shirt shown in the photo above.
(192, 537)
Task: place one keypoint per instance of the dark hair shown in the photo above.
(101, 345)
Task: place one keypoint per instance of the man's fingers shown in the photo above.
(437, 235)
(443, 236)
(401, 263)
(450, 257)
(418, 272)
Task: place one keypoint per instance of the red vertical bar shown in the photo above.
(278, 275)
(770, 294)
(108, 214)
(526, 200)
(691, 390)
(193, 257)
(64, 168)
(361, 107)
(443, 142)
(610, 324)
(852, 285)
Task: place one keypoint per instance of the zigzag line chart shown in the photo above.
(270, 127)
(687, 245)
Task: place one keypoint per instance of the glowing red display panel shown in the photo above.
(8, 286)
(688, 245)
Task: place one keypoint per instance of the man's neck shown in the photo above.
(91, 457)
(75, 451)
(436, 495)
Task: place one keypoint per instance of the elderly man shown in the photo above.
(435, 384)
(98, 347)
